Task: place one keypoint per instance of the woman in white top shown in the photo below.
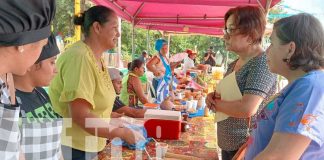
(189, 63)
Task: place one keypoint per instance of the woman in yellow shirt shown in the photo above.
(83, 92)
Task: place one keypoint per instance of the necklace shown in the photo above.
(103, 72)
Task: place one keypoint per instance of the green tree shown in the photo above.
(140, 40)
(63, 21)
(179, 43)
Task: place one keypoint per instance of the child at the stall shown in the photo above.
(40, 126)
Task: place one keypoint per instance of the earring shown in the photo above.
(287, 60)
(21, 49)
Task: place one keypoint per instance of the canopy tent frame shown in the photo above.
(149, 23)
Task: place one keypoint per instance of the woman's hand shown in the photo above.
(157, 73)
(115, 115)
(208, 55)
(174, 64)
(211, 100)
(188, 79)
(132, 136)
(117, 123)
(181, 86)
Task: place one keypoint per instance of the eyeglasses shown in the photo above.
(229, 31)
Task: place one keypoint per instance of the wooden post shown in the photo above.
(267, 7)
(77, 29)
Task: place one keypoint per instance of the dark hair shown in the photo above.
(98, 14)
(38, 65)
(250, 21)
(144, 52)
(308, 34)
(121, 74)
(137, 63)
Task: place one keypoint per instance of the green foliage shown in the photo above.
(63, 21)
(179, 43)
(140, 40)
(200, 43)
(127, 57)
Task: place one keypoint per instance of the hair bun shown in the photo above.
(78, 19)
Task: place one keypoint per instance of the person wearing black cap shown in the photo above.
(24, 29)
(36, 109)
(83, 90)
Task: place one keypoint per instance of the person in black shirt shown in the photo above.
(35, 101)
(36, 111)
(209, 57)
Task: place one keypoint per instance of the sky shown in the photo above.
(315, 7)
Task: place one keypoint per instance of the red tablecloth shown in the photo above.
(199, 141)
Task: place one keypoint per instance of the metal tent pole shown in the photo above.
(139, 9)
(169, 42)
(118, 59)
(133, 37)
(148, 41)
(77, 28)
